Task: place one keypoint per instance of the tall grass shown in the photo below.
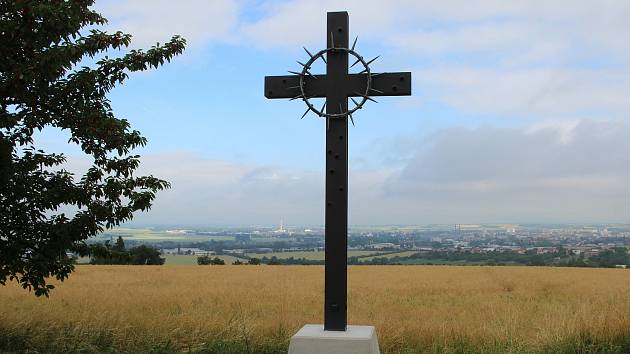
(256, 309)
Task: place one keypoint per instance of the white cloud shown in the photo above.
(303, 22)
(523, 58)
(219, 192)
(530, 174)
(151, 21)
(558, 60)
(289, 23)
(525, 92)
(539, 27)
(509, 44)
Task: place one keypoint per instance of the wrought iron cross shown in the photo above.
(337, 86)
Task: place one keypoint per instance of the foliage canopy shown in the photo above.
(42, 44)
(118, 254)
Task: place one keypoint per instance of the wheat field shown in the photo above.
(256, 309)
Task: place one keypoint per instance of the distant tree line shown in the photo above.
(105, 253)
(290, 261)
(606, 259)
(207, 260)
(563, 258)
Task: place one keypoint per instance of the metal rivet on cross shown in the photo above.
(337, 86)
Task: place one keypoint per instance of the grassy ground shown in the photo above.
(318, 256)
(149, 235)
(173, 259)
(390, 255)
(256, 309)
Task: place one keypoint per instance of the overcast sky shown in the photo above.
(520, 111)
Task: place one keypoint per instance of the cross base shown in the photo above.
(312, 339)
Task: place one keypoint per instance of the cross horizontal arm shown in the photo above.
(289, 86)
(383, 84)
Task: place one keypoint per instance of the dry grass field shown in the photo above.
(255, 309)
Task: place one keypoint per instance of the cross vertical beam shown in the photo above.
(337, 85)
(335, 299)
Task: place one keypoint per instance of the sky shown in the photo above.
(519, 112)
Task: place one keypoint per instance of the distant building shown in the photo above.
(545, 250)
(591, 253)
(281, 230)
(385, 245)
(186, 251)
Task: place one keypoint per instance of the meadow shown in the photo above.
(178, 260)
(151, 235)
(310, 255)
(256, 309)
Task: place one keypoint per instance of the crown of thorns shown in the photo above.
(365, 96)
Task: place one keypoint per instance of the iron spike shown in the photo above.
(307, 52)
(355, 63)
(324, 59)
(305, 113)
(295, 72)
(323, 108)
(375, 90)
(355, 42)
(351, 120)
(366, 97)
(296, 97)
(368, 63)
(292, 87)
(311, 75)
(355, 102)
(299, 62)
(377, 74)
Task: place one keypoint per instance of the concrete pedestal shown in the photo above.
(312, 339)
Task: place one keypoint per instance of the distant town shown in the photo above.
(459, 244)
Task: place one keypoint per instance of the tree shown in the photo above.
(140, 255)
(145, 255)
(119, 245)
(100, 253)
(253, 261)
(204, 260)
(218, 261)
(41, 43)
(610, 258)
(107, 254)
